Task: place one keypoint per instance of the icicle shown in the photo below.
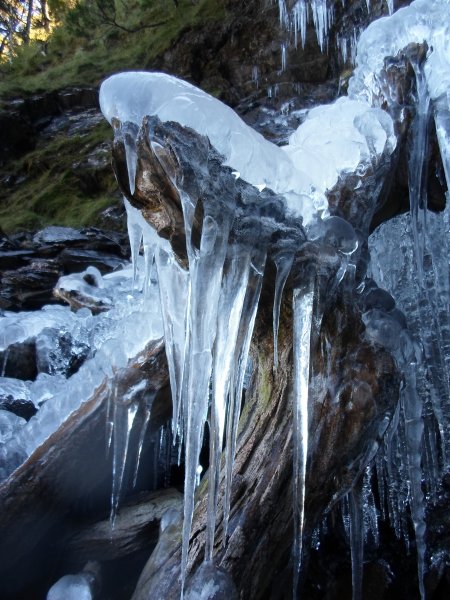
(5, 361)
(150, 241)
(431, 467)
(390, 5)
(356, 538)
(134, 219)
(246, 325)
(370, 509)
(205, 266)
(255, 76)
(283, 13)
(283, 263)
(130, 132)
(110, 416)
(380, 474)
(125, 409)
(412, 407)
(441, 108)
(234, 287)
(320, 18)
(173, 284)
(145, 422)
(300, 16)
(368, 6)
(353, 47)
(302, 309)
(417, 170)
(343, 49)
(283, 57)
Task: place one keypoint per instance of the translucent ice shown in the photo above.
(356, 538)
(311, 161)
(351, 133)
(302, 308)
(9, 425)
(422, 21)
(82, 586)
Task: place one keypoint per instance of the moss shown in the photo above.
(46, 189)
(50, 191)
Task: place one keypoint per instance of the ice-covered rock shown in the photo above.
(424, 21)
(334, 139)
(16, 397)
(82, 586)
(63, 339)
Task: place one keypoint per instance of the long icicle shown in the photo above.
(233, 292)
(206, 267)
(173, 284)
(303, 299)
(125, 410)
(283, 264)
(134, 228)
(240, 363)
(417, 170)
(412, 407)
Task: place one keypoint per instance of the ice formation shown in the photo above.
(368, 133)
(355, 132)
(353, 135)
(208, 332)
(294, 18)
(59, 394)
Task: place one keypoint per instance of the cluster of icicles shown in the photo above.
(294, 20)
(209, 314)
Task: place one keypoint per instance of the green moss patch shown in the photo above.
(48, 188)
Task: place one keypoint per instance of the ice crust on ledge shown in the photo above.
(334, 139)
(114, 337)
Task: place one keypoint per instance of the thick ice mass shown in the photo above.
(423, 21)
(334, 139)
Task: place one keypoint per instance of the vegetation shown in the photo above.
(81, 43)
(98, 37)
(20, 21)
(47, 185)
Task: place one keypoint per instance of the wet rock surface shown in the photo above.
(30, 265)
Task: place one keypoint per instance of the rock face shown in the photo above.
(23, 120)
(221, 57)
